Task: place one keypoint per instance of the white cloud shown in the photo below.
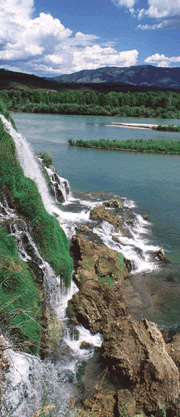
(153, 27)
(43, 45)
(162, 60)
(160, 9)
(126, 3)
(96, 56)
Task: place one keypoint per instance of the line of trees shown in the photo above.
(148, 104)
(140, 145)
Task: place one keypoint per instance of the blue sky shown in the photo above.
(48, 38)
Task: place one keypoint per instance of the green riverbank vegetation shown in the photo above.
(20, 285)
(167, 128)
(139, 145)
(137, 104)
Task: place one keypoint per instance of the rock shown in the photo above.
(102, 404)
(80, 369)
(83, 229)
(117, 204)
(102, 214)
(126, 403)
(134, 353)
(173, 348)
(145, 216)
(85, 345)
(66, 376)
(116, 239)
(160, 254)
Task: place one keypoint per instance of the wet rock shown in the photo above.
(117, 204)
(85, 345)
(83, 229)
(145, 216)
(116, 239)
(80, 369)
(66, 376)
(161, 256)
(102, 214)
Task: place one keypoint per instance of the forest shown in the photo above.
(137, 104)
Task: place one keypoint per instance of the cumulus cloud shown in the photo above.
(162, 8)
(96, 56)
(43, 45)
(162, 60)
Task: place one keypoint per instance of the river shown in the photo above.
(151, 181)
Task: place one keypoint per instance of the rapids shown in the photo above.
(29, 381)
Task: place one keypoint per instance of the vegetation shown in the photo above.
(23, 195)
(167, 128)
(20, 308)
(139, 145)
(47, 158)
(20, 292)
(136, 104)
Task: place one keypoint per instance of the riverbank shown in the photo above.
(159, 128)
(138, 145)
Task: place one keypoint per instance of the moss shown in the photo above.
(20, 306)
(23, 195)
(108, 279)
(120, 262)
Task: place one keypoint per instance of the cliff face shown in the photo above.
(39, 238)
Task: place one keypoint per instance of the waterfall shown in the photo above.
(30, 165)
(30, 381)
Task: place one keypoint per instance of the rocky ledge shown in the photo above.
(144, 365)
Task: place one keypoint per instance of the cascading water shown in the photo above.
(29, 380)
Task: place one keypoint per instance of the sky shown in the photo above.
(54, 37)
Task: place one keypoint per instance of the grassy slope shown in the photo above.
(18, 290)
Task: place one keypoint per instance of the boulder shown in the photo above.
(83, 229)
(161, 256)
(117, 204)
(135, 353)
(102, 214)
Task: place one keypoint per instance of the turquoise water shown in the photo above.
(152, 181)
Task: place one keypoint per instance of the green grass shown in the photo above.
(139, 145)
(20, 286)
(20, 304)
(23, 195)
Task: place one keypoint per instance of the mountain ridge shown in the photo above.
(142, 75)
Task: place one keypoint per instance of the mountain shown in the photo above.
(142, 75)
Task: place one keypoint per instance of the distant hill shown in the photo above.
(21, 81)
(142, 75)
(102, 80)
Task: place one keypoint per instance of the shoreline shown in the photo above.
(126, 150)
